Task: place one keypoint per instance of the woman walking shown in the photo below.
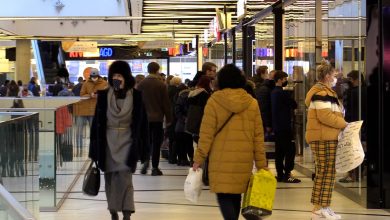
(231, 135)
(118, 135)
(324, 123)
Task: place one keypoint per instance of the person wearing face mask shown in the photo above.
(89, 89)
(282, 106)
(119, 137)
(325, 120)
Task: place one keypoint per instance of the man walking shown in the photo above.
(156, 100)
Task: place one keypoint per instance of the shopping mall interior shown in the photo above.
(44, 146)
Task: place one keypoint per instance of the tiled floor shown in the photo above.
(162, 198)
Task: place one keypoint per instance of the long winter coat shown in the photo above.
(139, 132)
(325, 117)
(234, 149)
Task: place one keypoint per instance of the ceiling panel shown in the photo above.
(178, 24)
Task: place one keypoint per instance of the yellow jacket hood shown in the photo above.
(233, 100)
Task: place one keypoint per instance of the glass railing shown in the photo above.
(11, 209)
(63, 139)
(19, 167)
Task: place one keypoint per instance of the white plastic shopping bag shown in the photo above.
(350, 153)
(193, 185)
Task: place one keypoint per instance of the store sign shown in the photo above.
(156, 44)
(264, 52)
(106, 52)
(103, 52)
(79, 46)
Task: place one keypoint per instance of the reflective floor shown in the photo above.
(162, 198)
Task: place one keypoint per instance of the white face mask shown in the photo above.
(334, 82)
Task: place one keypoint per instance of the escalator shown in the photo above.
(49, 56)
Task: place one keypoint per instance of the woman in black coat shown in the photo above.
(119, 137)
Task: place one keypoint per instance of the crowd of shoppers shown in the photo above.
(224, 115)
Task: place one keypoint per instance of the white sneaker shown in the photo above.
(331, 212)
(324, 213)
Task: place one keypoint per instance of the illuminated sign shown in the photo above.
(264, 52)
(104, 52)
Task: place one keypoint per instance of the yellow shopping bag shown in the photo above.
(259, 197)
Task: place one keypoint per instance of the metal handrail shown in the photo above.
(16, 210)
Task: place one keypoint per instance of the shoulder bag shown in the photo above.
(205, 174)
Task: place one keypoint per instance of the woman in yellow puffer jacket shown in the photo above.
(236, 146)
(324, 122)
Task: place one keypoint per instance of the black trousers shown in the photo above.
(156, 134)
(172, 145)
(284, 153)
(184, 146)
(230, 205)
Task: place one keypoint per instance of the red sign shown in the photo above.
(76, 54)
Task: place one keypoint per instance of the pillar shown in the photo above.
(278, 36)
(23, 60)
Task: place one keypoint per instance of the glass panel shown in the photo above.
(19, 158)
(264, 45)
(71, 143)
(63, 139)
(216, 54)
(343, 36)
(239, 53)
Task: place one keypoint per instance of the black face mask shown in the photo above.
(116, 83)
(284, 84)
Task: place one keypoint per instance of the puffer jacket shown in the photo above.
(234, 149)
(325, 115)
(86, 107)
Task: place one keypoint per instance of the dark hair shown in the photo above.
(153, 67)
(32, 80)
(261, 70)
(279, 75)
(20, 83)
(249, 88)
(123, 68)
(204, 82)
(230, 76)
(208, 66)
(354, 74)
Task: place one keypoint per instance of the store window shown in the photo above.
(343, 36)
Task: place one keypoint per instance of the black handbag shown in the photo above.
(91, 182)
(205, 174)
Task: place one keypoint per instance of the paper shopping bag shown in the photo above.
(259, 197)
(349, 153)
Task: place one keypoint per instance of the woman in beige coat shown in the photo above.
(236, 146)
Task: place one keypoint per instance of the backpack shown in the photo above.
(194, 119)
(194, 114)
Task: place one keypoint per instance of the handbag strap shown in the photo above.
(227, 120)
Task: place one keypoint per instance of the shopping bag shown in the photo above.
(259, 198)
(91, 182)
(193, 185)
(349, 153)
